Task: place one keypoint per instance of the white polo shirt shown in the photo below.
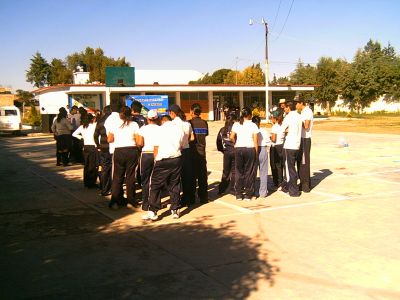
(187, 131)
(293, 124)
(87, 134)
(151, 135)
(280, 135)
(110, 123)
(124, 135)
(307, 114)
(263, 138)
(170, 141)
(244, 134)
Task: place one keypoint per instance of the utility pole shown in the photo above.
(236, 73)
(251, 22)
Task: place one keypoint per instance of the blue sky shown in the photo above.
(203, 35)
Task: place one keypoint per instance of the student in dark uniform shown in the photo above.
(292, 124)
(105, 158)
(167, 170)
(276, 151)
(245, 136)
(198, 147)
(148, 136)
(124, 133)
(85, 132)
(227, 147)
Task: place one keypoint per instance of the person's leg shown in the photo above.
(250, 172)
(203, 182)
(263, 164)
(132, 156)
(239, 172)
(272, 163)
(157, 181)
(174, 181)
(146, 167)
(304, 171)
(226, 170)
(279, 163)
(118, 176)
(105, 174)
(291, 156)
(232, 171)
(188, 196)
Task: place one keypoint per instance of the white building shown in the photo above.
(173, 83)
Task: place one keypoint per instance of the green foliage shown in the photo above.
(280, 80)
(95, 61)
(25, 97)
(218, 77)
(32, 117)
(303, 74)
(38, 71)
(59, 73)
(252, 75)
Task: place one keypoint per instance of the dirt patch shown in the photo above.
(390, 125)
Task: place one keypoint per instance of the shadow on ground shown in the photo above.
(55, 247)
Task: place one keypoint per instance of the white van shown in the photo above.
(10, 119)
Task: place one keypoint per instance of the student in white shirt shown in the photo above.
(188, 184)
(148, 138)
(292, 124)
(167, 170)
(85, 132)
(245, 136)
(125, 136)
(276, 151)
(303, 159)
(263, 145)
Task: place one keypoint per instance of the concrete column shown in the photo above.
(241, 100)
(210, 105)
(108, 96)
(178, 98)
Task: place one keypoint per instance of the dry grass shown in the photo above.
(372, 124)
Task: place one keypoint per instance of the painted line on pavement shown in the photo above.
(233, 206)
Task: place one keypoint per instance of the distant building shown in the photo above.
(6, 97)
(174, 83)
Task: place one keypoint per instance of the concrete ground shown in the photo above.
(341, 241)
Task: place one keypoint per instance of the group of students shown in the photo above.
(245, 149)
(160, 153)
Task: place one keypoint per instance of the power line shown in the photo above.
(276, 15)
(284, 24)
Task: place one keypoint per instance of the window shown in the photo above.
(194, 96)
(11, 112)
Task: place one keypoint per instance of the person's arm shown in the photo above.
(306, 124)
(191, 134)
(232, 137)
(138, 140)
(78, 133)
(155, 151)
(96, 135)
(255, 140)
(110, 137)
(273, 137)
(53, 127)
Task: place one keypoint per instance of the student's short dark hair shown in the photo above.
(291, 105)
(136, 106)
(256, 120)
(168, 117)
(196, 108)
(116, 105)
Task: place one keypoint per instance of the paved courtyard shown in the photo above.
(341, 241)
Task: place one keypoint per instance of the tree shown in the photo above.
(95, 61)
(329, 76)
(38, 72)
(218, 77)
(58, 72)
(362, 83)
(252, 75)
(303, 74)
(25, 97)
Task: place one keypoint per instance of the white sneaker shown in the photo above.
(150, 215)
(175, 214)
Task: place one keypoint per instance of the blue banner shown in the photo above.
(159, 102)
